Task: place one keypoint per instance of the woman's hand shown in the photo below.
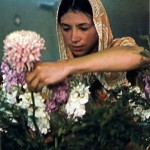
(46, 73)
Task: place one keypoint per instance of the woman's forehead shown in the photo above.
(75, 16)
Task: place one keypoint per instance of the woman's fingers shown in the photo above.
(29, 77)
(39, 87)
(34, 81)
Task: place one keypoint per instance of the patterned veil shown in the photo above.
(101, 22)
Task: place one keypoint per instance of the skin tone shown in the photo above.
(76, 33)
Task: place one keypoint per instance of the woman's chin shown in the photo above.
(79, 53)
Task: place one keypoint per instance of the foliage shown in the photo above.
(112, 125)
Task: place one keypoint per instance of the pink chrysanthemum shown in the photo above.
(22, 49)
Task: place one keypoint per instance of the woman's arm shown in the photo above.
(114, 59)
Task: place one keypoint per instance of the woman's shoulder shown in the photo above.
(124, 41)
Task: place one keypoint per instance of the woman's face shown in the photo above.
(79, 33)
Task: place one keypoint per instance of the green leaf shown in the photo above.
(145, 53)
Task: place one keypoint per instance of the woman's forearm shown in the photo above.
(114, 59)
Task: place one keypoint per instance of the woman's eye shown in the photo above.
(65, 29)
(84, 28)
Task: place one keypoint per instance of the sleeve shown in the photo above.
(112, 79)
(125, 41)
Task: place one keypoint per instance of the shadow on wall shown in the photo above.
(126, 19)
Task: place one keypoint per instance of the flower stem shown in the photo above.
(35, 123)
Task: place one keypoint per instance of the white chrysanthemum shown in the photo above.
(131, 104)
(40, 113)
(145, 114)
(39, 101)
(26, 100)
(138, 110)
(80, 94)
(136, 89)
(30, 111)
(43, 124)
(11, 97)
(76, 103)
(41, 116)
(3, 130)
(80, 111)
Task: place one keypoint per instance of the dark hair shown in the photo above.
(74, 5)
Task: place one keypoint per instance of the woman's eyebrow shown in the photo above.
(80, 24)
(64, 24)
(84, 24)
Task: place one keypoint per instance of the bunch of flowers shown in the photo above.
(68, 97)
(65, 115)
(21, 50)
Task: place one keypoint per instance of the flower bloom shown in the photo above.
(59, 96)
(60, 92)
(22, 49)
(41, 116)
(11, 78)
(135, 89)
(146, 114)
(139, 110)
(147, 85)
(79, 96)
(50, 106)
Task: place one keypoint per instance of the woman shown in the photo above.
(86, 45)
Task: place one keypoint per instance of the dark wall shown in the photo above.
(29, 15)
(127, 18)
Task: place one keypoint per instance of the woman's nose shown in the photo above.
(75, 37)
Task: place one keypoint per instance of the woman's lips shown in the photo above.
(77, 48)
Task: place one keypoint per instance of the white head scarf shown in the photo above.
(101, 22)
(102, 26)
